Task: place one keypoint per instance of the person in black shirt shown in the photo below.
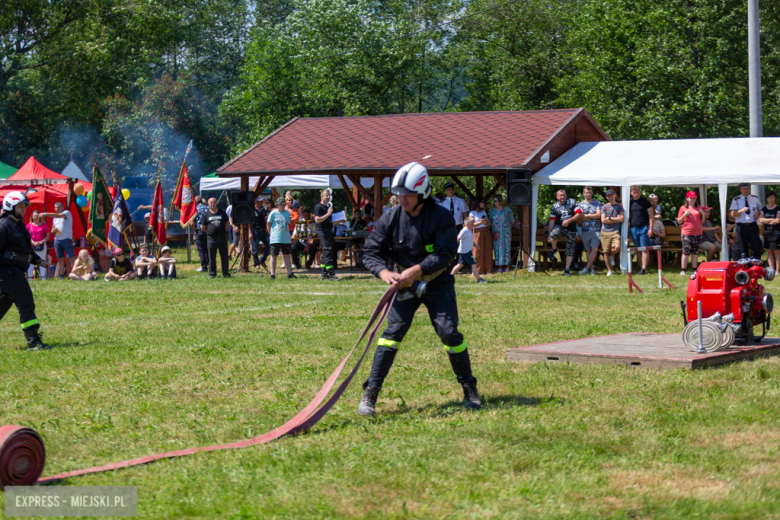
(258, 233)
(215, 223)
(771, 222)
(324, 226)
(16, 255)
(642, 218)
(120, 268)
(200, 236)
(412, 245)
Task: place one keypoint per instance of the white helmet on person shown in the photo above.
(14, 198)
(412, 178)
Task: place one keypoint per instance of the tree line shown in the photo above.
(134, 80)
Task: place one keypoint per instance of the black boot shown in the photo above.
(33, 338)
(324, 275)
(461, 365)
(367, 404)
(332, 275)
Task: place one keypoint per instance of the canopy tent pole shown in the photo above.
(532, 232)
(703, 195)
(724, 242)
(625, 197)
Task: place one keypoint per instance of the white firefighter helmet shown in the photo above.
(412, 178)
(14, 198)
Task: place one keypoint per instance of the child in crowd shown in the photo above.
(167, 264)
(145, 264)
(465, 244)
(120, 269)
(83, 268)
(278, 227)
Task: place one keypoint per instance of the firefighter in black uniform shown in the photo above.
(412, 245)
(16, 255)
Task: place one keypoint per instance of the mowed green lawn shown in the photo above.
(148, 367)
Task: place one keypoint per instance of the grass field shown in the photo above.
(146, 367)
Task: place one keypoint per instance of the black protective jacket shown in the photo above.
(15, 237)
(428, 239)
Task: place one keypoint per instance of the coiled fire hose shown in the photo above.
(23, 455)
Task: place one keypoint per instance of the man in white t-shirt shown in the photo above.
(62, 229)
(455, 205)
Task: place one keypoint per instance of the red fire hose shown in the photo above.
(22, 453)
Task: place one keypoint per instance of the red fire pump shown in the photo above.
(732, 304)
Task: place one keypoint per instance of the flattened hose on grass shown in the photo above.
(22, 453)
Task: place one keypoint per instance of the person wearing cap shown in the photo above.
(323, 223)
(412, 247)
(745, 210)
(690, 217)
(771, 221)
(215, 224)
(612, 215)
(120, 269)
(16, 255)
(167, 264)
(455, 205)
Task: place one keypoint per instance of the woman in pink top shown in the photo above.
(690, 218)
(39, 232)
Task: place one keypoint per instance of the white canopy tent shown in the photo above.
(667, 162)
(301, 182)
(73, 171)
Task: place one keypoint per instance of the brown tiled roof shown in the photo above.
(443, 142)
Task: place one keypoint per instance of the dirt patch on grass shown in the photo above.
(679, 484)
(752, 439)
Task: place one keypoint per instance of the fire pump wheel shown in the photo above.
(712, 336)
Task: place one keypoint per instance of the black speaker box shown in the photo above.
(243, 206)
(518, 187)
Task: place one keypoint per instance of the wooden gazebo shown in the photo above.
(450, 144)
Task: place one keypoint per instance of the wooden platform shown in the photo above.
(639, 349)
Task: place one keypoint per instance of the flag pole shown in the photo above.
(178, 182)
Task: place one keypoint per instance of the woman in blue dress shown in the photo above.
(502, 218)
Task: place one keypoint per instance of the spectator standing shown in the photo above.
(231, 232)
(259, 234)
(591, 229)
(641, 219)
(690, 218)
(295, 204)
(39, 233)
(62, 227)
(502, 219)
(279, 230)
(215, 224)
(148, 236)
(564, 215)
(744, 210)
(612, 215)
(653, 198)
(771, 222)
(83, 268)
(455, 205)
(120, 269)
(483, 237)
(167, 264)
(323, 222)
(465, 246)
(295, 216)
(200, 235)
(710, 241)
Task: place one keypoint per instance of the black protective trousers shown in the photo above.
(749, 241)
(442, 307)
(327, 241)
(14, 290)
(201, 240)
(221, 245)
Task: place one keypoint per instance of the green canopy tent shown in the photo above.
(6, 170)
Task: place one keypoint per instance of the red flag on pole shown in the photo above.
(184, 200)
(157, 218)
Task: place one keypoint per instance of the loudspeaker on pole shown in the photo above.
(243, 206)
(518, 184)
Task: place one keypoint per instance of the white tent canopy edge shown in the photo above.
(301, 182)
(664, 162)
